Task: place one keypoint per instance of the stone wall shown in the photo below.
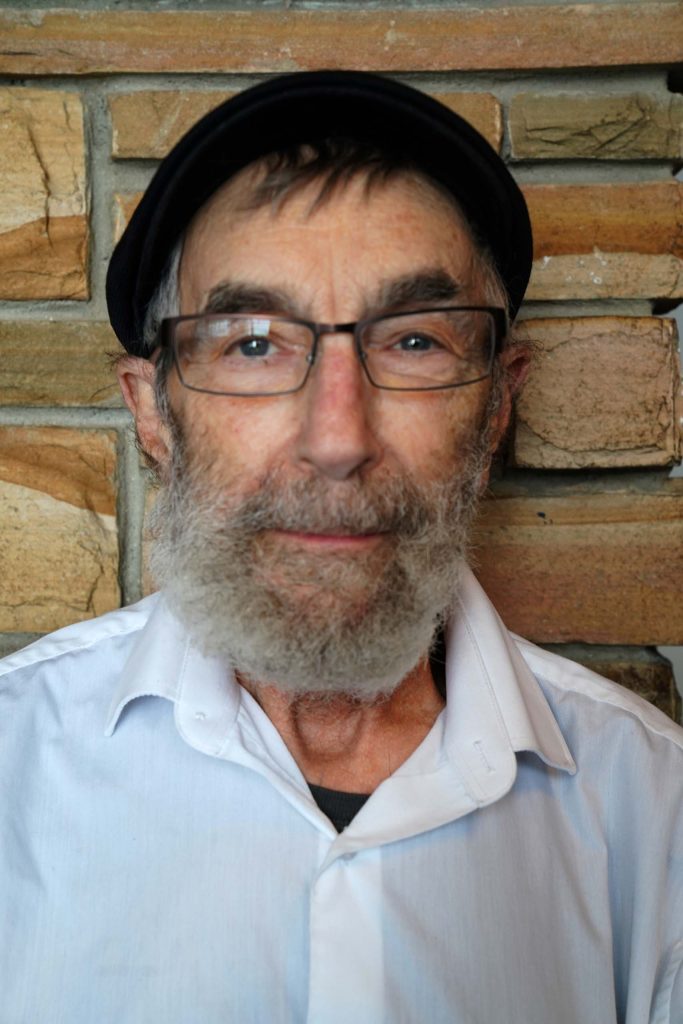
(581, 538)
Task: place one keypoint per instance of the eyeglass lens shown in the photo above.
(245, 355)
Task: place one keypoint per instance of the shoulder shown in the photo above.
(583, 701)
(94, 640)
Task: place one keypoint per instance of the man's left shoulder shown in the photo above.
(583, 698)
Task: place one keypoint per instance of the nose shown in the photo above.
(337, 436)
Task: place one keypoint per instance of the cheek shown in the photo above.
(241, 438)
(428, 435)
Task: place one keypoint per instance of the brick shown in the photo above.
(389, 39)
(124, 205)
(58, 539)
(637, 218)
(634, 126)
(43, 205)
(606, 275)
(481, 109)
(147, 123)
(594, 562)
(640, 669)
(601, 393)
(56, 362)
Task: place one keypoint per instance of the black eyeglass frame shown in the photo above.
(165, 341)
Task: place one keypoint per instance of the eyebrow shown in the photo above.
(232, 297)
(418, 289)
(413, 289)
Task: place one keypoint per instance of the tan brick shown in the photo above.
(640, 669)
(635, 218)
(54, 362)
(601, 393)
(606, 275)
(58, 540)
(389, 39)
(124, 204)
(565, 127)
(148, 123)
(145, 124)
(481, 109)
(43, 204)
(576, 563)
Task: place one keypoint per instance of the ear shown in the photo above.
(514, 365)
(136, 380)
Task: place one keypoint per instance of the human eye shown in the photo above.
(249, 347)
(240, 339)
(406, 337)
(415, 342)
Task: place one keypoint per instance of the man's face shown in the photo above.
(330, 521)
(337, 264)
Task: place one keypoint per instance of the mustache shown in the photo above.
(394, 505)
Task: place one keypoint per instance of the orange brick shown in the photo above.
(58, 540)
(594, 562)
(636, 218)
(388, 39)
(43, 223)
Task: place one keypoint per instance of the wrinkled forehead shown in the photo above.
(250, 191)
(379, 228)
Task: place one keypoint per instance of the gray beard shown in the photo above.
(319, 623)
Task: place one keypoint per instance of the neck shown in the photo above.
(342, 743)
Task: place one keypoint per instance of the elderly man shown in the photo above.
(315, 779)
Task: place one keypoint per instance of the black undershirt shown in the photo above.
(340, 807)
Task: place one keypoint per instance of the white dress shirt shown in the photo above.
(162, 859)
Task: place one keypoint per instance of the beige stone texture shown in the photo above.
(124, 204)
(601, 393)
(633, 126)
(58, 538)
(43, 197)
(57, 362)
(397, 39)
(146, 123)
(481, 109)
(580, 564)
(606, 275)
(642, 217)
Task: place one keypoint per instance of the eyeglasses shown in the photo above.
(255, 355)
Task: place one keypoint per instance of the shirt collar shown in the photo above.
(495, 706)
(164, 663)
(492, 693)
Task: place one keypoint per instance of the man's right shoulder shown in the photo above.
(104, 639)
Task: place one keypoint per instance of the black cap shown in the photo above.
(308, 107)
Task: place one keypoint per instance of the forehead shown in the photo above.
(339, 251)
